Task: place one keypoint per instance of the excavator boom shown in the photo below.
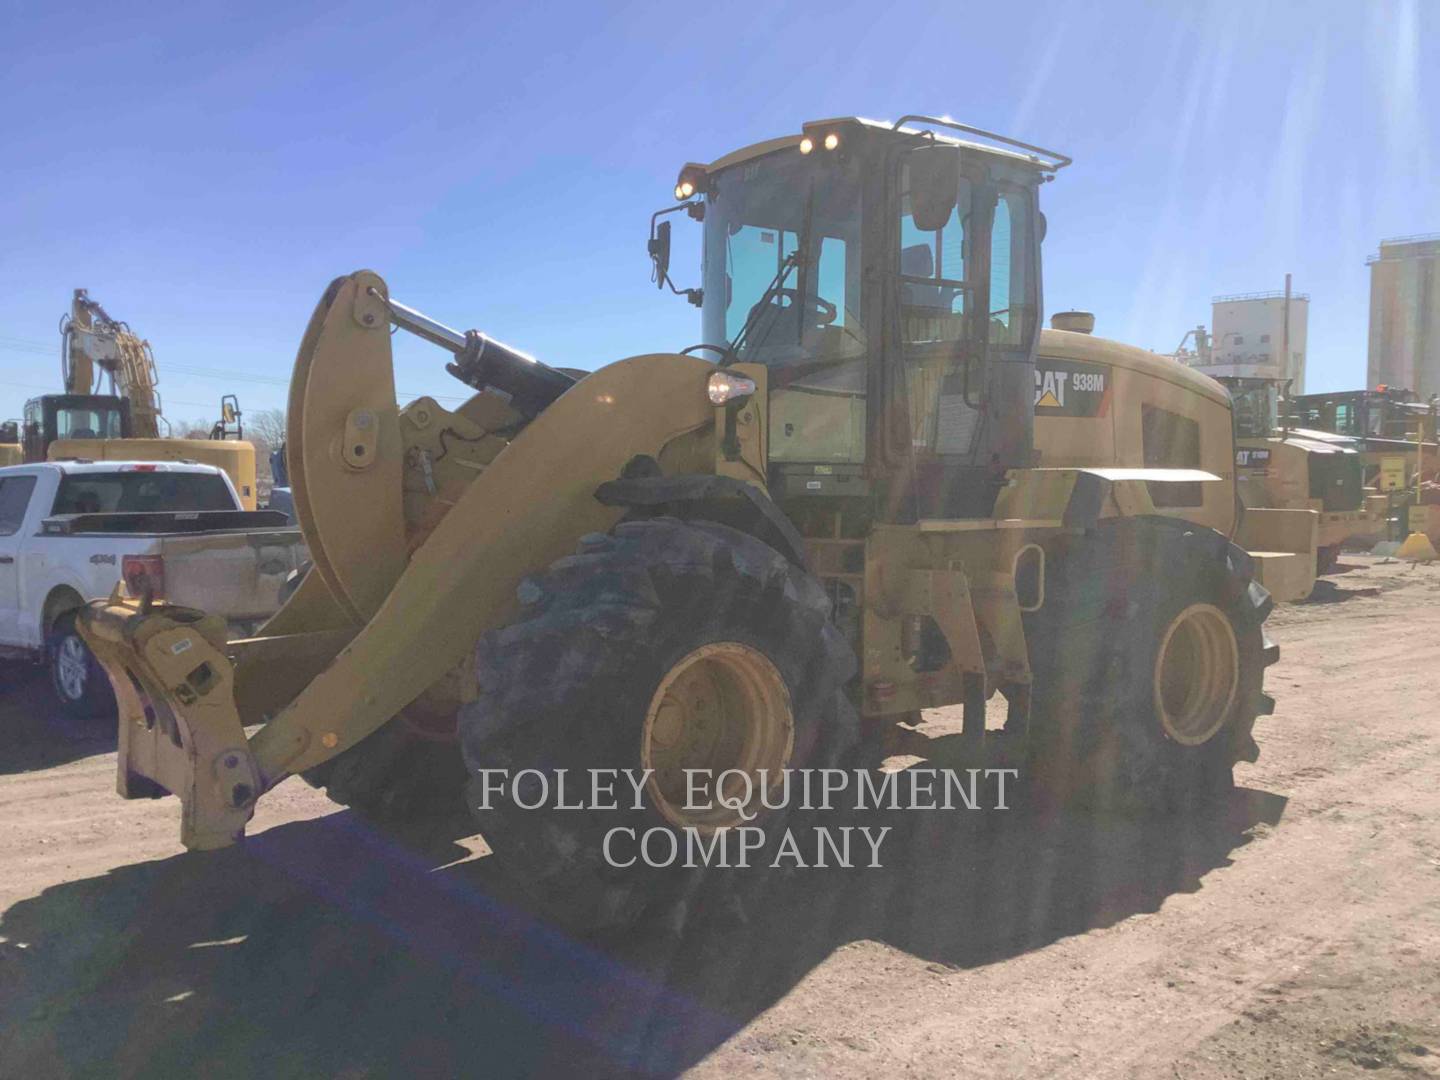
(95, 345)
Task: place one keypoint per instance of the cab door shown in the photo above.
(15, 494)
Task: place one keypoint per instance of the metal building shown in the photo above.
(1249, 336)
(1405, 315)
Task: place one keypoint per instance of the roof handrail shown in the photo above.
(1059, 162)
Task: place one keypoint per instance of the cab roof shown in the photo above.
(769, 146)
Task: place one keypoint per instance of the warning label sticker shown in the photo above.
(1071, 388)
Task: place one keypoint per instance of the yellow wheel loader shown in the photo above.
(830, 511)
(1279, 468)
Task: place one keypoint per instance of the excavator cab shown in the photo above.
(887, 277)
(53, 417)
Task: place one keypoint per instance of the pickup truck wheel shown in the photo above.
(78, 681)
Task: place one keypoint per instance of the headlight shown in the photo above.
(832, 141)
(690, 182)
(723, 387)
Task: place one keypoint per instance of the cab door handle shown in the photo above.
(6, 560)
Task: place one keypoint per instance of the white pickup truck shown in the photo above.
(70, 530)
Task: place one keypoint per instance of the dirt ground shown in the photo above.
(1294, 933)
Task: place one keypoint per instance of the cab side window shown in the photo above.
(1171, 441)
(15, 494)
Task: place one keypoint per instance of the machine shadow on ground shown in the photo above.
(324, 948)
(1327, 592)
(38, 733)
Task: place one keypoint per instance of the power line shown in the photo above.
(24, 345)
(52, 390)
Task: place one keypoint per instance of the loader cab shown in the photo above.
(887, 277)
(1256, 405)
(73, 416)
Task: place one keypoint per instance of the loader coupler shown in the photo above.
(180, 731)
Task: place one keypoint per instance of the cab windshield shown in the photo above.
(1256, 408)
(782, 263)
(87, 423)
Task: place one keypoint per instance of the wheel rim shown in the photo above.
(1197, 673)
(724, 706)
(71, 667)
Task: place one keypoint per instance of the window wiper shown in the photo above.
(791, 261)
(771, 291)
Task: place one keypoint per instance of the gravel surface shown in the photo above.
(1296, 932)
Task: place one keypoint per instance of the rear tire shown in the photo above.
(595, 674)
(79, 683)
(1148, 657)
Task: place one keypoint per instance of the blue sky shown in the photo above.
(204, 169)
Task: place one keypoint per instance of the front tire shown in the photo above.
(664, 645)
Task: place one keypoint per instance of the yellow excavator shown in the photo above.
(99, 353)
(827, 516)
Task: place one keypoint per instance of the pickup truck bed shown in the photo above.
(232, 562)
(69, 531)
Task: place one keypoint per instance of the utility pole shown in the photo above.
(1285, 333)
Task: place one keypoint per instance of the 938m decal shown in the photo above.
(1071, 388)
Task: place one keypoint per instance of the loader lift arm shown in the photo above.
(393, 621)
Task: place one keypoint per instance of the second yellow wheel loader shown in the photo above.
(725, 561)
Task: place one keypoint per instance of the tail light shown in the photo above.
(144, 574)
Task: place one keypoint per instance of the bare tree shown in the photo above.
(265, 426)
(190, 429)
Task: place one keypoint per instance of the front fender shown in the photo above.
(723, 499)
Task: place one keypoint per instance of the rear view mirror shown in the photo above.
(227, 412)
(934, 181)
(659, 248)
